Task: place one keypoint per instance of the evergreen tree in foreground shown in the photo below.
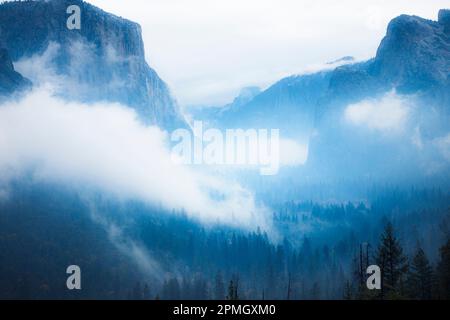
(219, 288)
(233, 290)
(348, 291)
(393, 264)
(443, 271)
(420, 277)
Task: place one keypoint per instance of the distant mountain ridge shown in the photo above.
(414, 56)
(412, 62)
(103, 61)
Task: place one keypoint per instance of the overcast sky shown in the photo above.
(206, 50)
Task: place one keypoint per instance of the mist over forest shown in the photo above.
(87, 176)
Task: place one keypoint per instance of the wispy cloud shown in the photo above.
(387, 114)
(104, 146)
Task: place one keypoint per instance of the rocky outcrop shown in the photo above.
(103, 61)
(10, 80)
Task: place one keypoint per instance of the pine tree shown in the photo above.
(174, 287)
(315, 291)
(137, 291)
(116, 288)
(393, 264)
(200, 288)
(289, 289)
(233, 290)
(186, 289)
(146, 292)
(443, 271)
(420, 277)
(348, 291)
(360, 263)
(219, 288)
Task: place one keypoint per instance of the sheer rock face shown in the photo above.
(413, 60)
(415, 53)
(413, 57)
(103, 61)
(10, 80)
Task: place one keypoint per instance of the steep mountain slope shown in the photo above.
(288, 105)
(415, 53)
(410, 72)
(409, 77)
(104, 60)
(413, 57)
(10, 80)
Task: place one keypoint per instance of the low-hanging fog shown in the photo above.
(105, 147)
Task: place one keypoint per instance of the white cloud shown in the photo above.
(388, 113)
(103, 146)
(328, 66)
(292, 153)
(39, 67)
(41, 70)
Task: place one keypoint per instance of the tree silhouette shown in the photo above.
(146, 292)
(393, 264)
(443, 270)
(219, 289)
(348, 291)
(420, 277)
(233, 290)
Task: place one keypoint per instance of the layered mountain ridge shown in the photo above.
(412, 65)
(400, 104)
(414, 56)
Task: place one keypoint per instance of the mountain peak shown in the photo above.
(444, 18)
(414, 53)
(405, 26)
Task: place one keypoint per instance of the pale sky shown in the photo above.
(206, 50)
